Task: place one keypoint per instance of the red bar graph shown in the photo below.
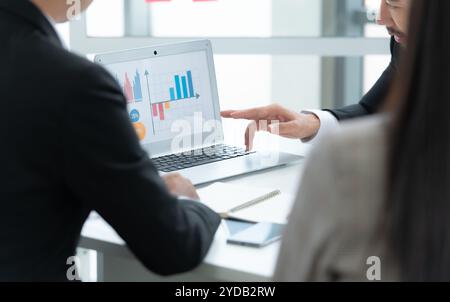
(128, 89)
(161, 112)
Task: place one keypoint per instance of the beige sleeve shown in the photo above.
(306, 252)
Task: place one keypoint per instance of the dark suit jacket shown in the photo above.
(67, 148)
(374, 99)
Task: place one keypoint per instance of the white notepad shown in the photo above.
(250, 204)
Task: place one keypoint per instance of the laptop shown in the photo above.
(173, 103)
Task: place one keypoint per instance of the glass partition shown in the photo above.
(299, 53)
(234, 18)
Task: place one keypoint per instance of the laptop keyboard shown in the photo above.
(198, 157)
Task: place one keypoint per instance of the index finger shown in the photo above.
(227, 113)
(250, 114)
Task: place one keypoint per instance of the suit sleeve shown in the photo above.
(106, 168)
(374, 99)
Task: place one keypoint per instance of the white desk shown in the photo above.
(224, 262)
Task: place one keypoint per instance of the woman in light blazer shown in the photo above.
(374, 203)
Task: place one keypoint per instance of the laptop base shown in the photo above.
(254, 162)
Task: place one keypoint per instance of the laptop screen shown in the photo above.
(166, 95)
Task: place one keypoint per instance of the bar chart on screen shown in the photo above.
(163, 91)
(182, 90)
(132, 88)
(174, 96)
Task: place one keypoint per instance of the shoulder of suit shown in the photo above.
(36, 46)
(364, 129)
(52, 60)
(351, 162)
(356, 143)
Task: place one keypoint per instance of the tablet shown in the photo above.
(258, 235)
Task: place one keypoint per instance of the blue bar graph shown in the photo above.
(178, 87)
(191, 84)
(185, 89)
(137, 89)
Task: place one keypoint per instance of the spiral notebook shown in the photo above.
(248, 204)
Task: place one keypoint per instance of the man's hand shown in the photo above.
(180, 186)
(278, 119)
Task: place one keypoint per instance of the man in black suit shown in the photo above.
(68, 148)
(307, 125)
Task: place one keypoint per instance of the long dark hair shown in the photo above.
(418, 194)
